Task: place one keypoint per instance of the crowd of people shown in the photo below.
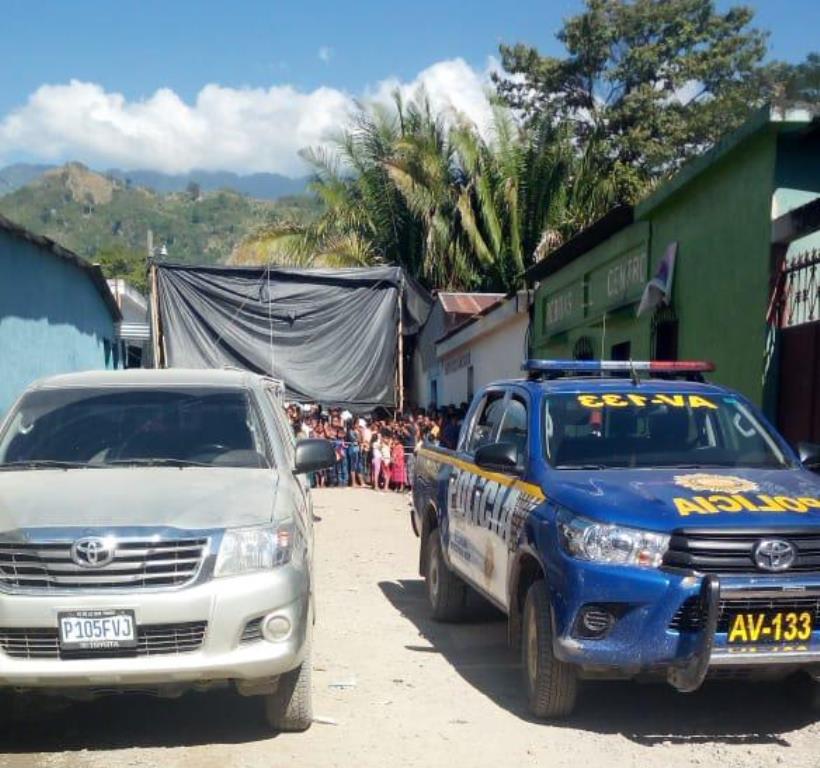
(372, 451)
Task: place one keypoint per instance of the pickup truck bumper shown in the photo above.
(203, 634)
(672, 624)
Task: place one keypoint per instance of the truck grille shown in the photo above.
(731, 551)
(690, 618)
(136, 563)
(152, 640)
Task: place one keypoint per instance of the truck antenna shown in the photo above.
(633, 373)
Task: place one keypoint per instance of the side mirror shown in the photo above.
(313, 455)
(809, 455)
(498, 457)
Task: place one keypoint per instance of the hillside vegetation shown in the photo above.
(107, 221)
(262, 186)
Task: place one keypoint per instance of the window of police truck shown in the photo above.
(633, 429)
(105, 427)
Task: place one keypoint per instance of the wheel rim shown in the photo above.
(532, 649)
(433, 578)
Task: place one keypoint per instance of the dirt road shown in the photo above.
(400, 690)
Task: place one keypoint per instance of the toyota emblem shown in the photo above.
(774, 554)
(93, 552)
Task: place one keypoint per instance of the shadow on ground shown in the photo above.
(121, 722)
(649, 714)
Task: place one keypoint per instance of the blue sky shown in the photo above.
(136, 47)
(321, 49)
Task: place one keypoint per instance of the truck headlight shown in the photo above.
(612, 544)
(244, 550)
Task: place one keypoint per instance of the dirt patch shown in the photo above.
(393, 688)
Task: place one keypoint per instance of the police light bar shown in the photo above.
(622, 366)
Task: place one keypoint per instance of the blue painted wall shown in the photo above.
(52, 318)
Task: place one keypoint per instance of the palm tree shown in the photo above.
(456, 209)
(492, 205)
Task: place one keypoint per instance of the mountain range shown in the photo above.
(262, 186)
(107, 220)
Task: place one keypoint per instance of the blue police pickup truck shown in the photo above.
(632, 521)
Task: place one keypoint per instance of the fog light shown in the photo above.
(276, 628)
(593, 622)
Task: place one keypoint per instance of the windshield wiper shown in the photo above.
(152, 462)
(689, 466)
(585, 466)
(44, 464)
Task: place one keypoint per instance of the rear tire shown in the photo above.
(446, 591)
(551, 685)
(811, 693)
(290, 708)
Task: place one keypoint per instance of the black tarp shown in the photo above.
(330, 334)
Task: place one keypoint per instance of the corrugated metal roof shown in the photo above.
(133, 331)
(489, 309)
(467, 303)
(92, 270)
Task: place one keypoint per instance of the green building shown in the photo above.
(717, 216)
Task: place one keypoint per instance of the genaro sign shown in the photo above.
(619, 281)
(563, 308)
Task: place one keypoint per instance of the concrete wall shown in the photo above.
(52, 318)
(494, 354)
(797, 180)
(425, 365)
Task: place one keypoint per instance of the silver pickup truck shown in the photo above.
(156, 535)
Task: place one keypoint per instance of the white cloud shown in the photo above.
(325, 53)
(453, 86)
(239, 129)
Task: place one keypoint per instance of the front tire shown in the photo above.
(552, 685)
(809, 691)
(290, 708)
(446, 591)
(814, 697)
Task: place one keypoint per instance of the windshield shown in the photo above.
(115, 427)
(629, 429)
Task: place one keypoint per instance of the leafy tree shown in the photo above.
(491, 205)
(645, 84)
(120, 261)
(802, 81)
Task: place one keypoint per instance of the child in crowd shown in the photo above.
(353, 455)
(397, 476)
(341, 478)
(376, 459)
(386, 448)
(319, 433)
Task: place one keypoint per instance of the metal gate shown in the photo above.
(796, 308)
